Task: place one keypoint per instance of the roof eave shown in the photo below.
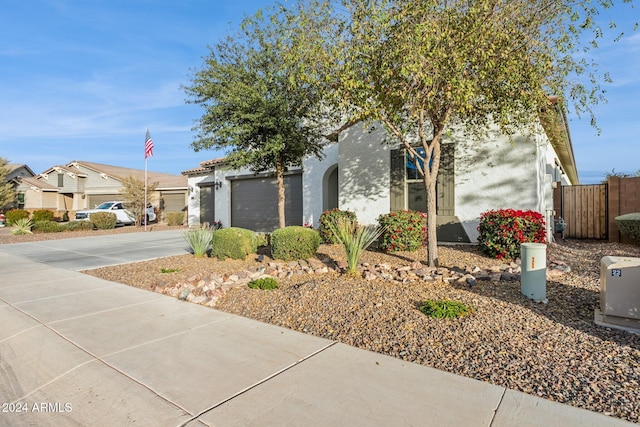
(557, 129)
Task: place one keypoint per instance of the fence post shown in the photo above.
(613, 207)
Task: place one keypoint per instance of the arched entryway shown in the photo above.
(330, 188)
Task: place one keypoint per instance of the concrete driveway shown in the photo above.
(84, 253)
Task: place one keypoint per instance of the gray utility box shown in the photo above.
(620, 287)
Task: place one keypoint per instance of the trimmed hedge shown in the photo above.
(233, 242)
(294, 242)
(78, 225)
(403, 231)
(330, 217)
(629, 225)
(103, 220)
(42, 215)
(47, 227)
(262, 239)
(15, 214)
(174, 218)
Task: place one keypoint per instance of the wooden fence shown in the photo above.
(590, 210)
(584, 210)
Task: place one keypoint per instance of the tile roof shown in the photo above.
(205, 166)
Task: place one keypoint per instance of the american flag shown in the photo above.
(148, 146)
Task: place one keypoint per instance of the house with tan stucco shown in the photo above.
(80, 185)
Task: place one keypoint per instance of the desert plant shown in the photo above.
(629, 225)
(403, 231)
(294, 242)
(445, 309)
(78, 225)
(355, 239)
(266, 283)
(15, 214)
(502, 231)
(47, 226)
(22, 226)
(42, 215)
(233, 242)
(103, 220)
(174, 218)
(169, 270)
(330, 217)
(199, 240)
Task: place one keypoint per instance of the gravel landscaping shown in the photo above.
(552, 350)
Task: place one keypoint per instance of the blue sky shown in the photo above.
(82, 80)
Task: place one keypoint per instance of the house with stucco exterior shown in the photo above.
(363, 174)
(15, 173)
(80, 185)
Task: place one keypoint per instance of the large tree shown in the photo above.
(7, 191)
(258, 109)
(420, 67)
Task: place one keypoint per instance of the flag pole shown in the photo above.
(144, 208)
(148, 151)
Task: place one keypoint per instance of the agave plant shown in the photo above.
(355, 239)
(22, 226)
(199, 239)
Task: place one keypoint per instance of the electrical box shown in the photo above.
(620, 287)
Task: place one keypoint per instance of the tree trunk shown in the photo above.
(432, 238)
(280, 181)
(430, 178)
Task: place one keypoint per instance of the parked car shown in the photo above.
(123, 216)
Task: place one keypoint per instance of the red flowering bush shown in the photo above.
(502, 231)
(403, 231)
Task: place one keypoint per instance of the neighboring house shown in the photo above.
(83, 185)
(17, 172)
(362, 174)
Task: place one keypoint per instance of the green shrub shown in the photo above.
(42, 215)
(294, 242)
(354, 238)
(199, 240)
(22, 226)
(15, 214)
(502, 231)
(264, 283)
(403, 231)
(262, 239)
(78, 225)
(233, 242)
(103, 220)
(629, 225)
(47, 227)
(330, 217)
(174, 218)
(445, 309)
(169, 270)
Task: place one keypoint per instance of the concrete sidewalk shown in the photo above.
(78, 350)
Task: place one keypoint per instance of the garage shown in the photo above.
(254, 202)
(172, 202)
(98, 199)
